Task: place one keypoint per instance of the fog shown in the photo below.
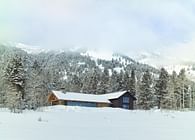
(121, 26)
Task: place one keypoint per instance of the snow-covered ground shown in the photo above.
(80, 123)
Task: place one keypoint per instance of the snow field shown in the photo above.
(82, 123)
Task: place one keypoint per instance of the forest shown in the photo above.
(26, 79)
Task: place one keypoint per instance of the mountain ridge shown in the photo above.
(153, 59)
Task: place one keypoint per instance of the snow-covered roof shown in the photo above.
(80, 97)
(87, 97)
(113, 95)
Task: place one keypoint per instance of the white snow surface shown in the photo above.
(118, 69)
(87, 97)
(30, 49)
(80, 97)
(113, 95)
(98, 54)
(81, 123)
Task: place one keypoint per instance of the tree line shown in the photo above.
(26, 80)
(173, 91)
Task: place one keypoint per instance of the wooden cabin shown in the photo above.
(122, 99)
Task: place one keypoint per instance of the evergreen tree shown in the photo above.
(132, 87)
(15, 78)
(35, 87)
(126, 81)
(161, 88)
(145, 98)
(172, 88)
(114, 82)
(193, 97)
(104, 82)
(85, 80)
(121, 81)
(93, 81)
(75, 83)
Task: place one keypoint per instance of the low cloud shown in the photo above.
(184, 52)
(119, 26)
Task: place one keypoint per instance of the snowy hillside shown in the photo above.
(189, 68)
(30, 49)
(83, 58)
(79, 123)
(154, 59)
(170, 63)
(98, 54)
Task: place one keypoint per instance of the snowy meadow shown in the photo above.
(82, 123)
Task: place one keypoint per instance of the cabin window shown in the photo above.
(125, 99)
(78, 103)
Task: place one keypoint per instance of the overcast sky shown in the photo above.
(117, 25)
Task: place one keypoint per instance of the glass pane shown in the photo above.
(125, 99)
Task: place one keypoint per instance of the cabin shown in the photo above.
(123, 99)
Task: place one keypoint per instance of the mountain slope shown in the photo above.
(114, 61)
(170, 63)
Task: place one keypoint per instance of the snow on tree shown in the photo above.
(35, 87)
(114, 82)
(4, 57)
(121, 81)
(126, 81)
(145, 98)
(132, 86)
(161, 89)
(75, 83)
(182, 89)
(94, 78)
(172, 89)
(71, 71)
(103, 85)
(15, 79)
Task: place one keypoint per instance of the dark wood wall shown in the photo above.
(118, 102)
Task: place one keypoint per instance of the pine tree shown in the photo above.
(75, 83)
(145, 98)
(172, 88)
(121, 81)
(114, 82)
(161, 89)
(35, 87)
(85, 80)
(15, 77)
(132, 87)
(193, 97)
(93, 81)
(126, 81)
(104, 82)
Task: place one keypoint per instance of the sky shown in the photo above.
(123, 26)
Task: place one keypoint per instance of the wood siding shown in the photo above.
(103, 105)
(118, 102)
(52, 99)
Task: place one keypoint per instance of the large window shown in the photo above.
(78, 103)
(126, 100)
